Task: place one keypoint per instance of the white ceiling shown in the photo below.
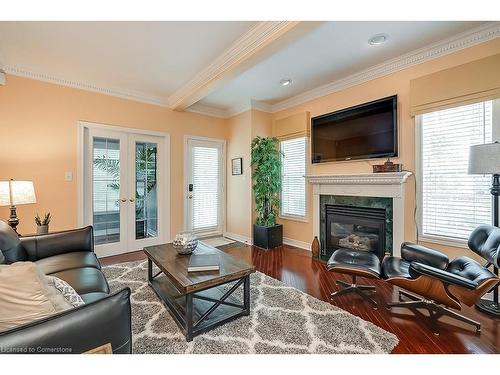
(152, 60)
(330, 52)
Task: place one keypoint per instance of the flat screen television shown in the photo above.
(364, 131)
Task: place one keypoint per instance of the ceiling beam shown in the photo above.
(260, 41)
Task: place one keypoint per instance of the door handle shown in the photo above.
(131, 199)
(190, 191)
(122, 199)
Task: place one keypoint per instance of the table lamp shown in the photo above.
(485, 159)
(14, 193)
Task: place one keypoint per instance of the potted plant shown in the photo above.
(266, 163)
(42, 226)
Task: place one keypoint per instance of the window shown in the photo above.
(293, 181)
(451, 201)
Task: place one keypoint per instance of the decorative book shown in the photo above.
(203, 262)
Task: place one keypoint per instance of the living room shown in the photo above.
(259, 187)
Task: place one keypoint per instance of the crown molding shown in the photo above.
(255, 39)
(117, 92)
(252, 42)
(456, 43)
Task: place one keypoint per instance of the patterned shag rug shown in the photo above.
(283, 320)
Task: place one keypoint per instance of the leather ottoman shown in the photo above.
(355, 263)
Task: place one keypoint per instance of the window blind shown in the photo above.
(472, 82)
(106, 190)
(453, 201)
(205, 187)
(293, 182)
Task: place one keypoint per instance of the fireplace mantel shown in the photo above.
(391, 184)
(389, 178)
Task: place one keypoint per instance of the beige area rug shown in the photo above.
(282, 320)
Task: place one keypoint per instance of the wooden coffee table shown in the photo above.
(199, 301)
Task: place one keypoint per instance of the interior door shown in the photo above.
(126, 196)
(107, 198)
(204, 186)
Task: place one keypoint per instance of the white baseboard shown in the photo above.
(238, 237)
(299, 244)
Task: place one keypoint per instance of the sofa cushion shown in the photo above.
(84, 280)
(92, 297)
(56, 243)
(23, 295)
(10, 245)
(68, 261)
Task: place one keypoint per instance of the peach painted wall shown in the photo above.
(239, 191)
(396, 83)
(38, 123)
(242, 128)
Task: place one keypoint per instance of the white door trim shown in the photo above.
(223, 142)
(86, 126)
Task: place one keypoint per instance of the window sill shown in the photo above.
(446, 241)
(302, 219)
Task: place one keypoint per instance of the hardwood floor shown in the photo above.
(296, 268)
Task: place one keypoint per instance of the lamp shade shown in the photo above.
(13, 193)
(484, 159)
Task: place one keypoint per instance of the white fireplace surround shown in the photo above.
(390, 185)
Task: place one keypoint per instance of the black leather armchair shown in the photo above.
(485, 242)
(438, 284)
(69, 255)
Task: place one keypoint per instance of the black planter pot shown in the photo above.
(268, 237)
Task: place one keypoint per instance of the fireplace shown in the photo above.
(357, 228)
(375, 190)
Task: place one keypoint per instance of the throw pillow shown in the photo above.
(66, 290)
(23, 297)
(54, 295)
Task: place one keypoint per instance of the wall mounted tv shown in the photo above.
(361, 132)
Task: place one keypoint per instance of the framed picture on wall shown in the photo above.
(237, 166)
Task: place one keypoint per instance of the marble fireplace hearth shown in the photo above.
(364, 190)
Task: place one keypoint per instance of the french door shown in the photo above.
(125, 194)
(204, 178)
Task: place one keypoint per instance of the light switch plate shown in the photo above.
(68, 176)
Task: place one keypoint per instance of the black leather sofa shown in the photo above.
(69, 255)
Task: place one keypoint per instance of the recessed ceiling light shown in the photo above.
(378, 39)
(286, 82)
